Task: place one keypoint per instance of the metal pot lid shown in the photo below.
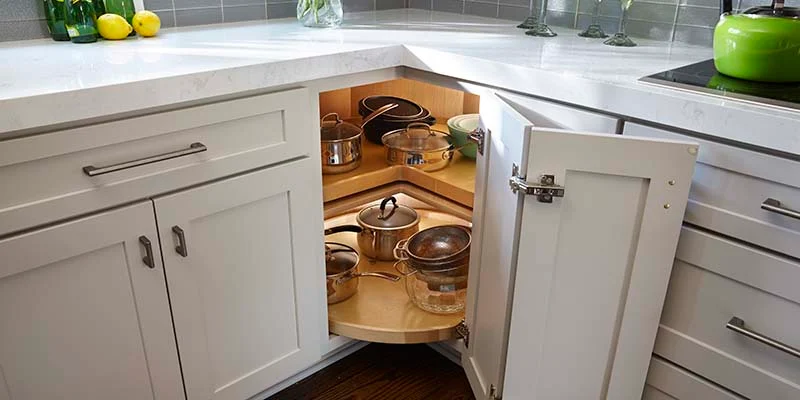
(333, 129)
(405, 110)
(388, 217)
(417, 137)
(339, 258)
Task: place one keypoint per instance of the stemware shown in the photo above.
(541, 28)
(530, 21)
(594, 30)
(620, 38)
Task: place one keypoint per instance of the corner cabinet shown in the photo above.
(568, 271)
(83, 314)
(242, 258)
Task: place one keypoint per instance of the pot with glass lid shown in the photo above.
(760, 44)
(419, 146)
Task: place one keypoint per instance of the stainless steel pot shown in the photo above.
(419, 146)
(341, 141)
(341, 272)
(379, 229)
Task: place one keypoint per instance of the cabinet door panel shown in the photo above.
(589, 270)
(247, 296)
(82, 316)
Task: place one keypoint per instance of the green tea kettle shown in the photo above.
(760, 44)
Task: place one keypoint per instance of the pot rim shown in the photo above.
(448, 259)
(363, 224)
(349, 270)
(447, 148)
(337, 122)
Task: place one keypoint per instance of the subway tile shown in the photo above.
(705, 3)
(187, 4)
(513, 13)
(244, 13)
(608, 8)
(23, 30)
(652, 12)
(198, 16)
(563, 5)
(421, 4)
(698, 16)
(520, 3)
(610, 25)
(453, 6)
(560, 18)
(389, 4)
(21, 10)
(358, 5)
(745, 4)
(158, 5)
(281, 10)
(694, 35)
(167, 18)
(649, 30)
(226, 3)
(480, 9)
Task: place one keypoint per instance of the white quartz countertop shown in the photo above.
(43, 82)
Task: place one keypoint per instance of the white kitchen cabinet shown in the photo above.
(83, 316)
(565, 294)
(243, 259)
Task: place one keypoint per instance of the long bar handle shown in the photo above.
(775, 206)
(736, 324)
(148, 251)
(193, 148)
(181, 247)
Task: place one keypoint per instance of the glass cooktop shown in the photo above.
(703, 77)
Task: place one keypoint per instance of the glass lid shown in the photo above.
(417, 137)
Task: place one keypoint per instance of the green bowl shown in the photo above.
(460, 127)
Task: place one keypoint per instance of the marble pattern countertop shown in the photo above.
(44, 82)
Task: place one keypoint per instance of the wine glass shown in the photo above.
(541, 29)
(620, 38)
(594, 30)
(529, 22)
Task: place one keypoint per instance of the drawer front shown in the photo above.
(728, 189)
(174, 149)
(666, 381)
(715, 279)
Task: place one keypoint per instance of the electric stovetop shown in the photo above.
(703, 77)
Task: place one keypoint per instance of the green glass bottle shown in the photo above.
(81, 21)
(123, 8)
(99, 7)
(54, 12)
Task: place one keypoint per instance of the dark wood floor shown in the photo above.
(383, 372)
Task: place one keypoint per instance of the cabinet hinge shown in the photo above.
(493, 393)
(462, 331)
(478, 136)
(544, 190)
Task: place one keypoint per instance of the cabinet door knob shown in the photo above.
(736, 324)
(775, 206)
(148, 251)
(181, 247)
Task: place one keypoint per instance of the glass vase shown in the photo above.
(320, 13)
(594, 30)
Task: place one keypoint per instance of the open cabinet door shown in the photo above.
(566, 292)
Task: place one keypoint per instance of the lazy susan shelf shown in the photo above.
(380, 311)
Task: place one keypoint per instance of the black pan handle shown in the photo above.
(725, 6)
(343, 228)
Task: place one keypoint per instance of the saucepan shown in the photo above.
(341, 141)
(341, 272)
(380, 229)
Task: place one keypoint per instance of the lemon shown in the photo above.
(146, 23)
(113, 26)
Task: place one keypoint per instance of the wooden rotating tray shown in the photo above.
(380, 311)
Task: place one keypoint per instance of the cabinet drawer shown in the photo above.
(142, 156)
(715, 279)
(729, 186)
(666, 381)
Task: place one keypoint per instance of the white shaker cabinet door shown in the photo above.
(568, 293)
(243, 258)
(83, 316)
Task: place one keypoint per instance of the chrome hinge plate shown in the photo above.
(478, 136)
(462, 331)
(545, 190)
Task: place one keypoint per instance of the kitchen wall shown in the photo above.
(689, 21)
(24, 19)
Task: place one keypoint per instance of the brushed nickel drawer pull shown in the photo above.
(181, 247)
(148, 250)
(193, 148)
(736, 324)
(773, 205)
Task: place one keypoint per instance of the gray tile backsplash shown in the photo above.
(689, 21)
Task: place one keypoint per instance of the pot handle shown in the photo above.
(326, 116)
(400, 250)
(383, 208)
(422, 125)
(343, 228)
(404, 273)
(383, 275)
(376, 113)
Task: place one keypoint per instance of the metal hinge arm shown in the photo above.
(462, 331)
(545, 190)
(478, 136)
